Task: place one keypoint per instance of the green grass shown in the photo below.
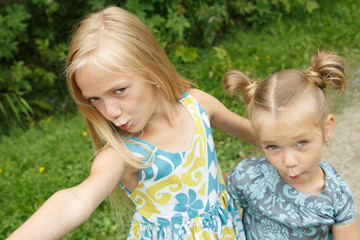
(60, 147)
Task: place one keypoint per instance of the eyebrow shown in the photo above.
(111, 88)
(301, 135)
(268, 143)
(86, 97)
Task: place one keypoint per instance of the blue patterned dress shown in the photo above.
(272, 209)
(183, 195)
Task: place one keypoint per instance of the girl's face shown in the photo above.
(128, 101)
(295, 149)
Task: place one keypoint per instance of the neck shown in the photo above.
(165, 116)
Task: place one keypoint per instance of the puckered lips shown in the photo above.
(124, 126)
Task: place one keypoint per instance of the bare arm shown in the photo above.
(225, 176)
(346, 231)
(223, 119)
(68, 208)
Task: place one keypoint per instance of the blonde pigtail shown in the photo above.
(327, 68)
(234, 81)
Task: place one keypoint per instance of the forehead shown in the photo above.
(301, 110)
(91, 79)
(286, 125)
(103, 71)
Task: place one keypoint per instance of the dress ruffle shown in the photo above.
(220, 222)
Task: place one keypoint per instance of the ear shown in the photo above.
(329, 126)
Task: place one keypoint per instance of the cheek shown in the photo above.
(147, 103)
(102, 111)
(132, 105)
(317, 149)
(272, 160)
(318, 154)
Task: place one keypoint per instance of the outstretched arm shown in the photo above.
(225, 120)
(68, 208)
(346, 231)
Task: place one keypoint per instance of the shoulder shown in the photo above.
(109, 161)
(334, 180)
(340, 193)
(206, 101)
(247, 170)
(248, 177)
(197, 93)
(202, 97)
(261, 164)
(107, 154)
(253, 171)
(106, 158)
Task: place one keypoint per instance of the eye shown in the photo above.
(271, 147)
(302, 143)
(93, 100)
(119, 91)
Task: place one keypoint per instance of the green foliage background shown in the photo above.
(40, 127)
(34, 36)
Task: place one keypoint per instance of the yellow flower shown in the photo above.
(218, 134)
(42, 169)
(256, 58)
(0, 170)
(267, 57)
(84, 133)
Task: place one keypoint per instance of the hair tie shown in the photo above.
(315, 77)
(312, 73)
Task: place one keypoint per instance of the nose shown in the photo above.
(112, 109)
(290, 160)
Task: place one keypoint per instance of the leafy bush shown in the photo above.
(260, 12)
(32, 53)
(34, 36)
(12, 78)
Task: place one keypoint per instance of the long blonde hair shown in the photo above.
(115, 39)
(280, 90)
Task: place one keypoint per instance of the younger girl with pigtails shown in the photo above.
(291, 193)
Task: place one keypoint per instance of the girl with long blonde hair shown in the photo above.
(152, 135)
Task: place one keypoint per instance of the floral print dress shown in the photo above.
(183, 195)
(275, 210)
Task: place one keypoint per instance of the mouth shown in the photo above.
(294, 177)
(124, 126)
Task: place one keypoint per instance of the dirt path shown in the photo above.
(343, 150)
